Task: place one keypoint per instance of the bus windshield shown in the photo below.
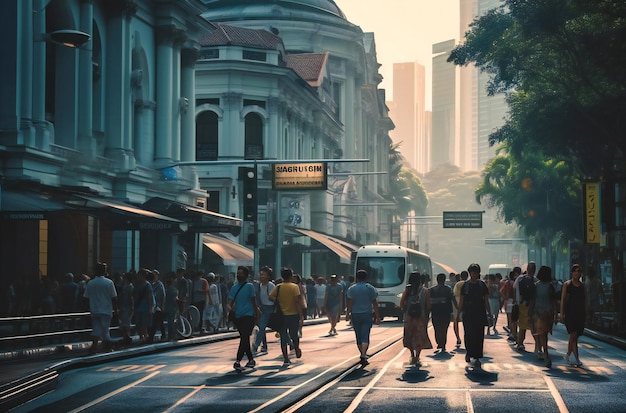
(383, 272)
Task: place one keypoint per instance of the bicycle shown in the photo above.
(187, 321)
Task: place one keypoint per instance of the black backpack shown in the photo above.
(527, 288)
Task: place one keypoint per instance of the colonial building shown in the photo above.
(128, 128)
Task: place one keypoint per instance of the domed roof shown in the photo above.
(256, 7)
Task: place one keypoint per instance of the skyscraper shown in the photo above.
(408, 113)
(480, 114)
(445, 114)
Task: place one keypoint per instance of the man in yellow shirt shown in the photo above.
(288, 295)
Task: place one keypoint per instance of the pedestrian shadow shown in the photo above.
(480, 376)
(414, 375)
(442, 355)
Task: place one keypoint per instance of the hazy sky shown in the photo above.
(404, 30)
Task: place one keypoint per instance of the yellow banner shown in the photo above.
(592, 212)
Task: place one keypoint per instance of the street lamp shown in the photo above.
(68, 37)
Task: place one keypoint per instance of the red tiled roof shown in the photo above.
(308, 66)
(240, 36)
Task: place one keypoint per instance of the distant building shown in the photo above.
(409, 115)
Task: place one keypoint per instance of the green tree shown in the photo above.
(542, 196)
(405, 187)
(561, 63)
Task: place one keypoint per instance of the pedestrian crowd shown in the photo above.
(152, 303)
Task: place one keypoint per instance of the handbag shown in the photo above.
(231, 313)
(277, 318)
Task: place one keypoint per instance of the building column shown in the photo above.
(178, 102)
(188, 118)
(164, 98)
(43, 129)
(25, 74)
(274, 134)
(119, 107)
(350, 110)
(232, 139)
(86, 143)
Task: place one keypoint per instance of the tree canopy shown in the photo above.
(561, 63)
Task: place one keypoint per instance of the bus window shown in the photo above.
(383, 272)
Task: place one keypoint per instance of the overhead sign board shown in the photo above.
(300, 176)
(463, 219)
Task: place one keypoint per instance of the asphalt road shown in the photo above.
(327, 379)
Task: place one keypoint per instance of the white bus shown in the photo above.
(388, 268)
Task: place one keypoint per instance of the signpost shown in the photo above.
(462, 219)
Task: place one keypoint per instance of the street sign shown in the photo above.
(462, 219)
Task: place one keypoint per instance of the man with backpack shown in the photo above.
(525, 291)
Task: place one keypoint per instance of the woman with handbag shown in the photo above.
(242, 301)
(415, 303)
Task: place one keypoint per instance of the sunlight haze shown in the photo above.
(405, 31)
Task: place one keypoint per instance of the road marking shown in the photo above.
(328, 385)
(556, 395)
(357, 400)
(184, 399)
(113, 393)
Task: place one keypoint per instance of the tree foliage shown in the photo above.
(406, 189)
(561, 65)
(561, 62)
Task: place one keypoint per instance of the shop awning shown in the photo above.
(199, 220)
(27, 205)
(341, 248)
(126, 216)
(230, 252)
(439, 267)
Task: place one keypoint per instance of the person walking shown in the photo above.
(442, 303)
(415, 303)
(510, 301)
(524, 290)
(311, 298)
(144, 304)
(333, 303)
(457, 296)
(362, 311)
(288, 295)
(320, 288)
(199, 295)
(126, 307)
(474, 310)
(542, 312)
(266, 307)
(158, 318)
(102, 301)
(213, 310)
(241, 298)
(171, 306)
(494, 303)
(574, 312)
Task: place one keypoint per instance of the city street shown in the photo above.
(327, 379)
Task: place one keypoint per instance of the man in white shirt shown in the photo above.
(102, 297)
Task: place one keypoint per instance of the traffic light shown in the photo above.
(250, 201)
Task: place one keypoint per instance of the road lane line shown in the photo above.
(184, 399)
(556, 395)
(328, 385)
(357, 400)
(468, 402)
(113, 393)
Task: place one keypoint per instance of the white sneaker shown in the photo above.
(567, 359)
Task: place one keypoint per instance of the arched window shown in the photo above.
(206, 136)
(254, 136)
